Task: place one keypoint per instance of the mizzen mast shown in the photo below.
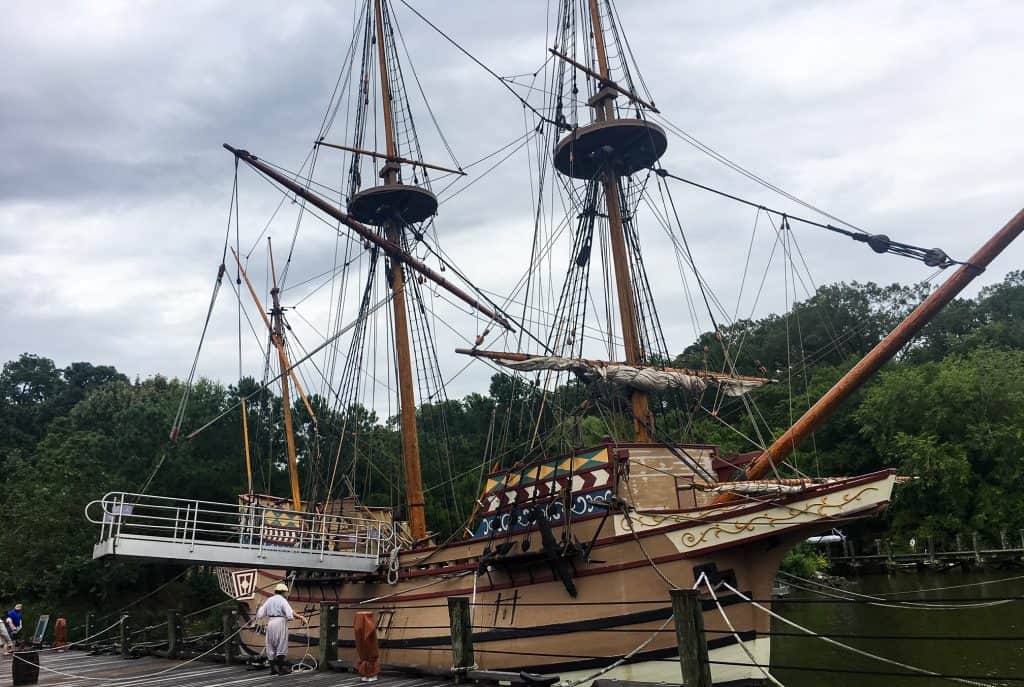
(275, 325)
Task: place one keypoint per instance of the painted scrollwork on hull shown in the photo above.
(733, 525)
(822, 508)
(521, 517)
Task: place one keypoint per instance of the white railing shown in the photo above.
(250, 529)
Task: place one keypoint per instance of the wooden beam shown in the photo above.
(605, 81)
(518, 357)
(367, 234)
(389, 158)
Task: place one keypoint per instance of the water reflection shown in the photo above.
(958, 655)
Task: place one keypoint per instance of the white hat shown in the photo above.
(281, 587)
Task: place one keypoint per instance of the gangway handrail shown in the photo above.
(212, 526)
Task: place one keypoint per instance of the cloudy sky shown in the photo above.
(901, 117)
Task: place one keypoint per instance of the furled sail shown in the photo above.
(650, 379)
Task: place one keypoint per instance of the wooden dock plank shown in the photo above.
(78, 669)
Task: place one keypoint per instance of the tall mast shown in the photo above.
(275, 325)
(393, 230)
(277, 322)
(604, 110)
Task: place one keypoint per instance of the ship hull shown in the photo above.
(525, 617)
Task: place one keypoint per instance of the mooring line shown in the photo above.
(860, 652)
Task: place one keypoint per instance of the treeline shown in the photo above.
(949, 411)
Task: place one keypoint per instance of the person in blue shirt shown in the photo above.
(13, 621)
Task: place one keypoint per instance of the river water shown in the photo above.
(894, 632)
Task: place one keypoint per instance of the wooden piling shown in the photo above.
(693, 646)
(124, 636)
(229, 634)
(175, 632)
(461, 625)
(90, 628)
(328, 634)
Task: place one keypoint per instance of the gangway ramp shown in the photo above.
(194, 531)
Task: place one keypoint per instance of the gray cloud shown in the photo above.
(114, 190)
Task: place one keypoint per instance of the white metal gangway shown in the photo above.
(142, 526)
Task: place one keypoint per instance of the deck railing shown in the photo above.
(192, 524)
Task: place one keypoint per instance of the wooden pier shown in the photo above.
(80, 668)
(975, 555)
(179, 661)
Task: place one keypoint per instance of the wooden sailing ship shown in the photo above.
(564, 550)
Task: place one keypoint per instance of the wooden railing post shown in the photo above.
(461, 626)
(228, 631)
(124, 636)
(90, 627)
(174, 633)
(693, 646)
(328, 634)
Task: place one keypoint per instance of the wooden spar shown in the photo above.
(302, 394)
(519, 357)
(403, 356)
(402, 160)
(882, 352)
(643, 421)
(605, 81)
(385, 87)
(407, 405)
(367, 234)
(278, 341)
(277, 335)
(245, 438)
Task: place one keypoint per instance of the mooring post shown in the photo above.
(229, 634)
(328, 634)
(90, 627)
(693, 645)
(174, 633)
(462, 636)
(125, 636)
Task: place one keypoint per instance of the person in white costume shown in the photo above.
(278, 612)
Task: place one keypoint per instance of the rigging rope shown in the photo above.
(880, 243)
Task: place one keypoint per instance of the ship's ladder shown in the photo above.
(238, 534)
